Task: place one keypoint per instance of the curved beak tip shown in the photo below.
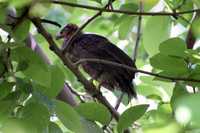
(58, 36)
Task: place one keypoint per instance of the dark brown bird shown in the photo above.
(98, 47)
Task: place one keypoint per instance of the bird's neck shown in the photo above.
(68, 38)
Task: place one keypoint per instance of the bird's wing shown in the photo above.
(104, 49)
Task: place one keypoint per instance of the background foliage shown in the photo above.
(30, 83)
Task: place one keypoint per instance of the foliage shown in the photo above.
(30, 83)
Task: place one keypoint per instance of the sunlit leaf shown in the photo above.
(156, 30)
(129, 7)
(196, 27)
(179, 90)
(90, 111)
(98, 1)
(197, 2)
(187, 109)
(130, 116)
(19, 3)
(68, 116)
(173, 47)
(126, 26)
(147, 4)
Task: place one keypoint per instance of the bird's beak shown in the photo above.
(59, 36)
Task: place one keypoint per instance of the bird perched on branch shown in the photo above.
(94, 46)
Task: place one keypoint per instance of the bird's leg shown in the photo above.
(119, 100)
(92, 81)
(129, 100)
(99, 86)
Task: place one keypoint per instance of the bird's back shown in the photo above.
(96, 46)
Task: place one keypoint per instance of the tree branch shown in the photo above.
(191, 39)
(124, 11)
(138, 33)
(88, 85)
(134, 69)
(51, 22)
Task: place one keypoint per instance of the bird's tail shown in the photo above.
(128, 88)
(131, 91)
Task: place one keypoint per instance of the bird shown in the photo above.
(94, 46)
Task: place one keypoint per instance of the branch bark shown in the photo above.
(134, 69)
(135, 52)
(124, 11)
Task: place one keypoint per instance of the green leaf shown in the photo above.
(147, 4)
(2, 68)
(21, 31)
(36, 114)
(187, 109)
(195, 27)
(90, 111)
(157, 29)
(128, 21)
(193, 56)
(3, 12)
(6, 109)
(129, 7)
(179, 90)
(5, 89)
(98, 1)
(57, 81)
(68, 116)
(54, 128)
(13, 125)
(188, 5)
(169, 64)
(147, 90)
(36, 66)
(20, 3)
(197, 2)
(91, 127)
(126, 26)
(174, 47)
(130, 116)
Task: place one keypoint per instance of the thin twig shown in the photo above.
(134, 69)
(138, 33)
(75, 93)
(191, 39)
(88, 85)
(124, 11)
(119, 100)
(66, 47)
(183, 2)
(50, 22)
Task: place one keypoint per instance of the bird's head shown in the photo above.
(67, 31)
